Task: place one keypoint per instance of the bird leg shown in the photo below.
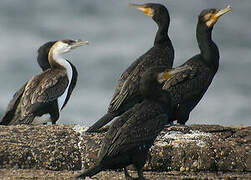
(127, 176)
(140, 174)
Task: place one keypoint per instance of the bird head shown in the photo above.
(156, 11)
(211, 16)
(65, 46)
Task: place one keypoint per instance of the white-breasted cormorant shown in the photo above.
(127, 92)
(43, 63)
(47, 93)
(187, 88)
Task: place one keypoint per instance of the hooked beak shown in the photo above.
(78, 43)
(148, 11)
(214, 18)
(222, 11)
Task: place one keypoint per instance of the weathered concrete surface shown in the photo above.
(39, 147)
(185, 149)
(190, 148)
(202, 148)
(7, 174)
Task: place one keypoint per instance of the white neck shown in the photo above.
(61, 61)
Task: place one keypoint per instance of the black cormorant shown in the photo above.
(127, 92)
(129, 138)
(187, 88)
(47, 93)
(132, 134)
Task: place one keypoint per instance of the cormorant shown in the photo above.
(46, 93)
(127, 92)
(188, 87)
(43, 63)
(130, 136)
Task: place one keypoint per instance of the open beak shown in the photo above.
(148, 11)
(79, 43)
(217, 15)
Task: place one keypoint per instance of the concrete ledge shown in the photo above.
(184, 149)
(7, 174)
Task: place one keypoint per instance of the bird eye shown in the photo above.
(213, 11)
(68, 41)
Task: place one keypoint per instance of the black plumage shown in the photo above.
(188, 87)
(129, 138)
(127, 92)
(131, 135)
(40, 95)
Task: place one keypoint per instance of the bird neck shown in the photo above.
(57, 61)
(162, 34)
(43, 62)
(208, 48)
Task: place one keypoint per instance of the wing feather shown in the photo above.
(12, 106)
(189, 83)
(128, 88)
(137, 127)
(44, 88)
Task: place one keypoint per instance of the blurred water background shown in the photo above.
(118, 35)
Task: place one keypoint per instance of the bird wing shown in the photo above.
(189, 83)
(138, 127)
(115, 126)
(128, 88)
(42, 89)
(121, 90)
(130, 138)
(128, 85)
(130, 69)
(8, 115)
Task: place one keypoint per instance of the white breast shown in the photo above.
(61, 99)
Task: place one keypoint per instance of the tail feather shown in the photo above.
(12, 108)
(101, 122)
(6, 118)
(90, 172)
